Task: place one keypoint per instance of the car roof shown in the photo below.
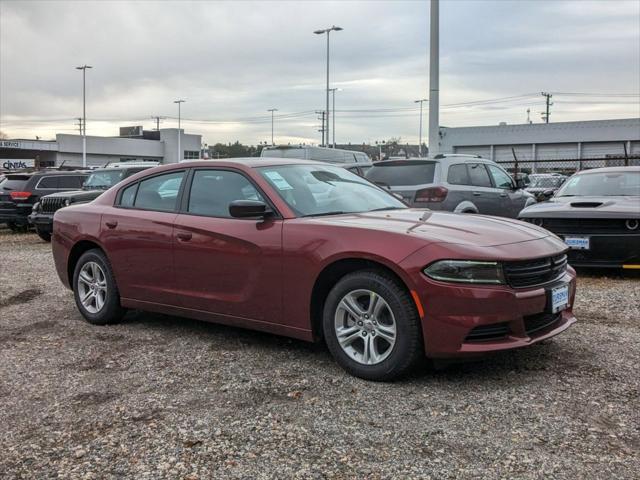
(252, 162)
(48, 172)
(609, 170)
(438, 158)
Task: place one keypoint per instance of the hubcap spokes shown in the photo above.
(365, 327)
(92, 287)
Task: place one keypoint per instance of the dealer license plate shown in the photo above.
(559, 298)
(577, 243)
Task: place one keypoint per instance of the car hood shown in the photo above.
(77, 195)
(585, 207)
(441, 227)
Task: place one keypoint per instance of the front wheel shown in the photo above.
(44, 234)
(95, 290)
(371, 326)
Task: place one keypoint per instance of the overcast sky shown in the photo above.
(231, 61)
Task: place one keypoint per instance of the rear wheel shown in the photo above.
(95, 290)
(44, 234)
(17, 227)
(371, 326)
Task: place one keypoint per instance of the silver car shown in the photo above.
(456, 183)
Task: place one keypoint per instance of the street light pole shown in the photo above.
(321, 32)
(272, 110)
(434, 78)
(421, 101)
(179, 131)
(84, 113)
(333, 113)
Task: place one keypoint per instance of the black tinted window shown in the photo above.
(48, 182)
(70, 181)
(402, 173)
(159, 192)
(213, 190)
(479, 176)
(458, 174)
(128, 195)
(14, 184)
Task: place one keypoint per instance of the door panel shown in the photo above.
(229, 266)
(511, 200)
(482, 193)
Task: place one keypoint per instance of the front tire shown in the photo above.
(95, 290)
(43, 234)
(371, 326)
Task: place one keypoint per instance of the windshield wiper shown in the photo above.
(322, 214)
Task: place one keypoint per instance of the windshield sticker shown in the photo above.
(278, 181)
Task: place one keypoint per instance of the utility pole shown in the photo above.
(157, 119)
(434, 78)
(421, 101)
(272, 110)
(84, 113)
(179, 131)
(321, 32)
(322, 129)
(79, 124)
(548, 98)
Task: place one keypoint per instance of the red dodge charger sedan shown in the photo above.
(315, 252)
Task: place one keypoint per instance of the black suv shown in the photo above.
(99, 180)
(20, 191)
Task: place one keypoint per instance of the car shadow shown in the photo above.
(617, 273)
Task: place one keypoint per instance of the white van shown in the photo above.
(356, 162)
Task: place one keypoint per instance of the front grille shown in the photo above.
(584, 225)
(494, 331)
(50, 205)
(529, 273)
(535, 323)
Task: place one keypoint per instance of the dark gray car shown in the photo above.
(597, 213)
(456, 183)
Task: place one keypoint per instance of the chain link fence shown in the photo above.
(569, 166)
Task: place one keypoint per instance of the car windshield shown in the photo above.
(324, 190)
(406, 173)
(103, 180)
(546, 182)
(602, 184)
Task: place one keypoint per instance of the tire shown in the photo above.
(391, 359)
(43, 234)
(17, 227)
(98, 286)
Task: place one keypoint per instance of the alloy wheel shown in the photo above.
(92, 287)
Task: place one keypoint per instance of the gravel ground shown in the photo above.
(165, 397)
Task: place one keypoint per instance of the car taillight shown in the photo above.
(431, 194)
(20, 195)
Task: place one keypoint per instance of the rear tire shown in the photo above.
(43, 234)
(371, 326)
(17, 227)
(95, 290)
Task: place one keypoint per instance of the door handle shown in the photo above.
(111, 224)
(476, 194)
(184, 236)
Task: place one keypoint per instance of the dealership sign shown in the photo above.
(17, 164)
(9, 144)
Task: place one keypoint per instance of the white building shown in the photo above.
(159, 145)
(583, 143)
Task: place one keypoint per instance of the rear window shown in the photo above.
(14, 183)
(402, 173)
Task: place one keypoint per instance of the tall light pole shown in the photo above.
(333, 113)
(421, 101)
(434, 78)
(272, 110)
(179, 131)
(84, 113)
(321, 32)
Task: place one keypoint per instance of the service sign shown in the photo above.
(9, 144)
(17, 163)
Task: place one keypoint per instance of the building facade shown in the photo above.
(158, 145)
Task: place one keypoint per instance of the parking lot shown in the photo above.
(165, 397)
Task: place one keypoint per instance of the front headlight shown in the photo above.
(466, 271)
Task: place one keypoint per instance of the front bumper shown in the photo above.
(18, 214)
(44, 221)
(463, 321)
(607, 251)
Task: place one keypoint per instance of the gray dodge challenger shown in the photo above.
(597, 214)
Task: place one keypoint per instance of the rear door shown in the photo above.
(137, 232)
(224, 265)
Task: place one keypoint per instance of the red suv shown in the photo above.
(314, 252)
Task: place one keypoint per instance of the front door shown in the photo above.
(512, 199)
(484, 196)
(226, 265)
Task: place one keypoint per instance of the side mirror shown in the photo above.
(248, 209)
(547, 193)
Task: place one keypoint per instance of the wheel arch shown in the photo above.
(332, 273)
(76, 252)
(466, 207)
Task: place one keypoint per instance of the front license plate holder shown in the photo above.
(577, 243)
(558, 298)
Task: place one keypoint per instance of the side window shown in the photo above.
(47, 183)
(458, 174)
(128, 195)
(213, 190)
(500, 177)
(159, 192)
(479, 176)
(70, 181)
(355, 170)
